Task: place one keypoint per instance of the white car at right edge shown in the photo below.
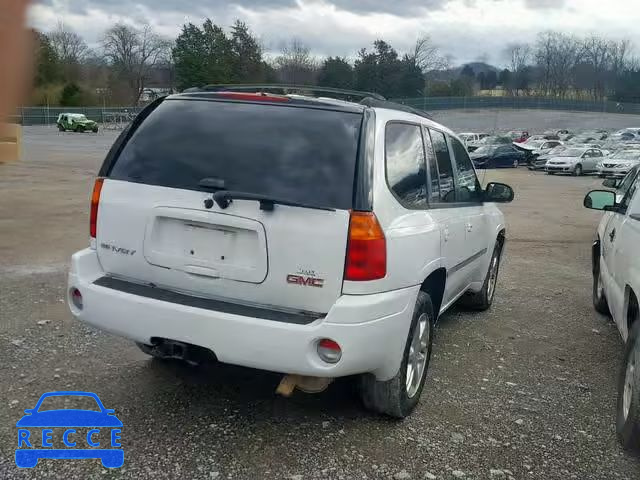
(616, 290)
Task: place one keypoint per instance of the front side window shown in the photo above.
(467, 186)
(626, 201)
(406, 167)
(445, 168)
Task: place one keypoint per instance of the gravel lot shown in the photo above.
(524, 391)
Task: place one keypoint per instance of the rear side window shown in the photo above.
(467, 186)
(445, 169)
(406, 169)
(297, 154)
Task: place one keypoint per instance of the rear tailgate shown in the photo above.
(153, 226)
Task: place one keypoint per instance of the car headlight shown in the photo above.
(599, 165)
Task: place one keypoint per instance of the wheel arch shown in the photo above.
(595, 256)
(435, 285)
(633, 309)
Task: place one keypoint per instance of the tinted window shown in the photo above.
(432, 166)
(445, 169)
(297, 154)
(406, 169)
(505, 149)
(467, 187)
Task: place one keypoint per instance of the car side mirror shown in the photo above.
(29, 411)
(498, 193)
(600, 200)
(109, 411)
(611, 183)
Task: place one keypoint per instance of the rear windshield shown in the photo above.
(297, 154)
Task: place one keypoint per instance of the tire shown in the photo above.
(61, 128)
(79, 129)
(628, 408)
(483, 299)
(394, 397)
(577, 172)
(598, 295)
(95, 130)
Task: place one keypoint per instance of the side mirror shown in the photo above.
(498, 193)
(600, 200)
(29, 411)
(611, 183)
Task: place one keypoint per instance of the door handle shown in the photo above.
(445, 234)
(469, 227)
(612, 235)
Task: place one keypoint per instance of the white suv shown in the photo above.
(302, 235)
(616, 289)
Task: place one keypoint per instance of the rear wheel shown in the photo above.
(628, 411)
(577, 172)
(398, 396)
(61, 128)
(483, 299)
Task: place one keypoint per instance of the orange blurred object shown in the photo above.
(15, 59)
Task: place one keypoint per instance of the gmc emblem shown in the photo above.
(305, 281)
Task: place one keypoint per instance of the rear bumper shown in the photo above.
(371, 329)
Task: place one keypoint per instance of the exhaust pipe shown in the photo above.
(305, 384)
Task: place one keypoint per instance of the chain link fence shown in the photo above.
(118, 117)
(519, 103)
(109, 117)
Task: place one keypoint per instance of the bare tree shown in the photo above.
(426, 55)
(133, 53)
(70, 49)
(295, 64)
(557, 55)
(519, 57)
(68, 45)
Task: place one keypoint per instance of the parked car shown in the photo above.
(472, 137)
(616, 289)
(575, 161)
(262, 228)
(76, 122)
(540, 162)
(536, 148)
(498, 156)
(618, 164)
(490, 140)
(518, 136)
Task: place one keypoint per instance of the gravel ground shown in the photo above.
(524, 391)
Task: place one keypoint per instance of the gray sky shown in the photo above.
(467, 29)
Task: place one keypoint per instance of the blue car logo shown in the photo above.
(82, 433)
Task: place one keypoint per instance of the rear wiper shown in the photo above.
(224, 198)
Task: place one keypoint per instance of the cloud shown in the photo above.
(466, 29)
(545, 4)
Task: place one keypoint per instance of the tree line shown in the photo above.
(131, 65)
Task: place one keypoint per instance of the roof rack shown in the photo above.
(285, 89)
(374, 102)
(367, 99)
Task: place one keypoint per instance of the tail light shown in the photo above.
(366, 248)
(95, 202)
